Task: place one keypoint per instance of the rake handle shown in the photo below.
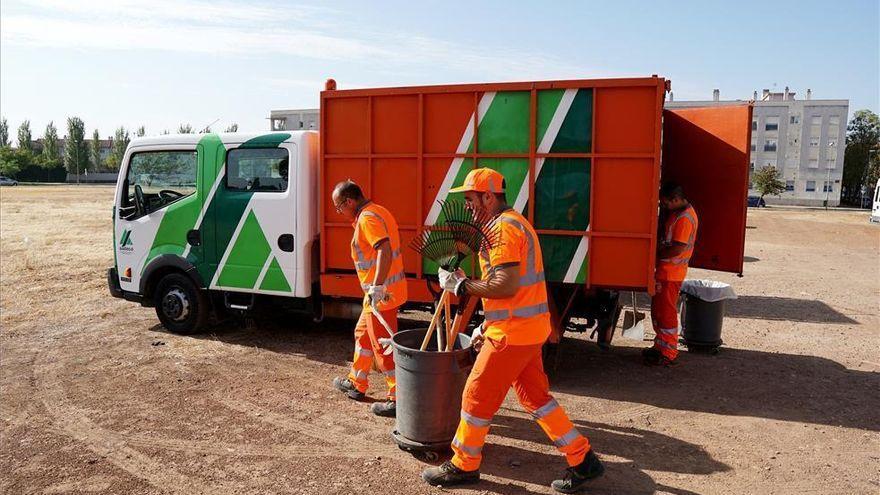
(463, 314)
(434, 320)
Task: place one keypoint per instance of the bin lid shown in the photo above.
(708, 290)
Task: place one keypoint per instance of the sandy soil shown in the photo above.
(95, 397)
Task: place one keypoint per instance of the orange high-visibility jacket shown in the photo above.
(524, 318)
(680, 227)
(374, 224)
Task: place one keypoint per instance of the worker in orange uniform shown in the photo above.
(673, 253)
(375, 250)
(517, 323)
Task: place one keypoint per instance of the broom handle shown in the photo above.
(462, 317)
(448, 312)
(434, 320)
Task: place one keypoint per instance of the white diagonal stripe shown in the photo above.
(577, 260)
(206, 204)
(232, 240)
(467, 136)
(263, 271)
(546, 144)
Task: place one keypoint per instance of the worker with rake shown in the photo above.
(517, 323)
(375, 250)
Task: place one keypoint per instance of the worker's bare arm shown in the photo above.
(502, 283)
(671, 250)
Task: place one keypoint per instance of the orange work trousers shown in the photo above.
(498, 367)
(664, 317)
(367, 348)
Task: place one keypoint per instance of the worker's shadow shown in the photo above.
(330, 341)
(641, 449)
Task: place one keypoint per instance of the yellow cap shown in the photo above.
(481, 180)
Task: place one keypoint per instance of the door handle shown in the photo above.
(194, 238)
(285, 242)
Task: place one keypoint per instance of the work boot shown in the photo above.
(576, 477)
(653, 357)
(447, 474)
(344, 385)
(386, 409)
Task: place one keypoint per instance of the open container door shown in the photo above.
(706, 150)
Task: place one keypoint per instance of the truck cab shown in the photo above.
(202, 219)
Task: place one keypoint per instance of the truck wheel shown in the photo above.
(180, 305)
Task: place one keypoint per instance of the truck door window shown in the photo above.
(160, 178)
(257, 169)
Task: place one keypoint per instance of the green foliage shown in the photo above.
(50, 157)
(185, 129)
(24, 137)
(120, 144)
(233, 127)
(4, 133)
(767, 181)
(140, 132)
(96, 151)
(14, 160)
(76, 151)
(862, 141)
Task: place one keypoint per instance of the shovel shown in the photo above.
(633, 322)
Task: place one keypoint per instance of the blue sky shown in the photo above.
(159, 63)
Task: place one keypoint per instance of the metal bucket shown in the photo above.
(429, 388)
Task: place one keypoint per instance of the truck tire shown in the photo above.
(180, 305)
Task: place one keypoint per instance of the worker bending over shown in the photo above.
(674, 248)
(375, 250)
(517, 324)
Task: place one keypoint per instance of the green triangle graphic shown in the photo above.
(275, 279)
(247, 256)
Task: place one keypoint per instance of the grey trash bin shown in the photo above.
(429, 388)
(703, 313)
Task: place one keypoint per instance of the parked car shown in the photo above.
(756, 202)
(6, 181)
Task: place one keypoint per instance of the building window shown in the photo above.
(754, 125)
(795, 119)
(754, 146)
(814, 142)
(831, 162)
(771, 124)
(828, 186)
(769, 145)
(811, 186)
(833, 121)
(789, 186)
(814, 163)
(752, 167)
(816, 126)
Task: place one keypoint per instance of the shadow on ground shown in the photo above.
(785, 308)
(737, 382)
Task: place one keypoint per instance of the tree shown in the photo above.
(165, 132)
(862, 136)
(96, 150)
(205, 130)
(4, 133)
(767, 181)
(233, 127)
(140, 132)
(50, 158)
(76, 151)
(117, 153)
(185, 129)
(24, 137)
(13, 161)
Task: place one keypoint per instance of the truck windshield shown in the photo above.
(161, 177)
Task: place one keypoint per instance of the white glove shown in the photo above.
(478, 332)
(377, 293)
(452, 282)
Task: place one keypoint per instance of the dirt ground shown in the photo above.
(95, 397)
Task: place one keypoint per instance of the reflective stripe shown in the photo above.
(668, 331)
(388, 373)
(363, 352)
(662, 343)
(475, 421)
(360, 375)
(531, 279)
(566, 439)
(523, 312)
(397, 277)
(545, 409)
(531, 271)
(682, 258)
(367, 264)
(364, 265)
(471, 451)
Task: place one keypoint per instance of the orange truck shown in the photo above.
(212, 220)
(583, 160)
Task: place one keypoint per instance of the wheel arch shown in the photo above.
(163, 265)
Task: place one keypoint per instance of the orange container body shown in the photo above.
(581, 159)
